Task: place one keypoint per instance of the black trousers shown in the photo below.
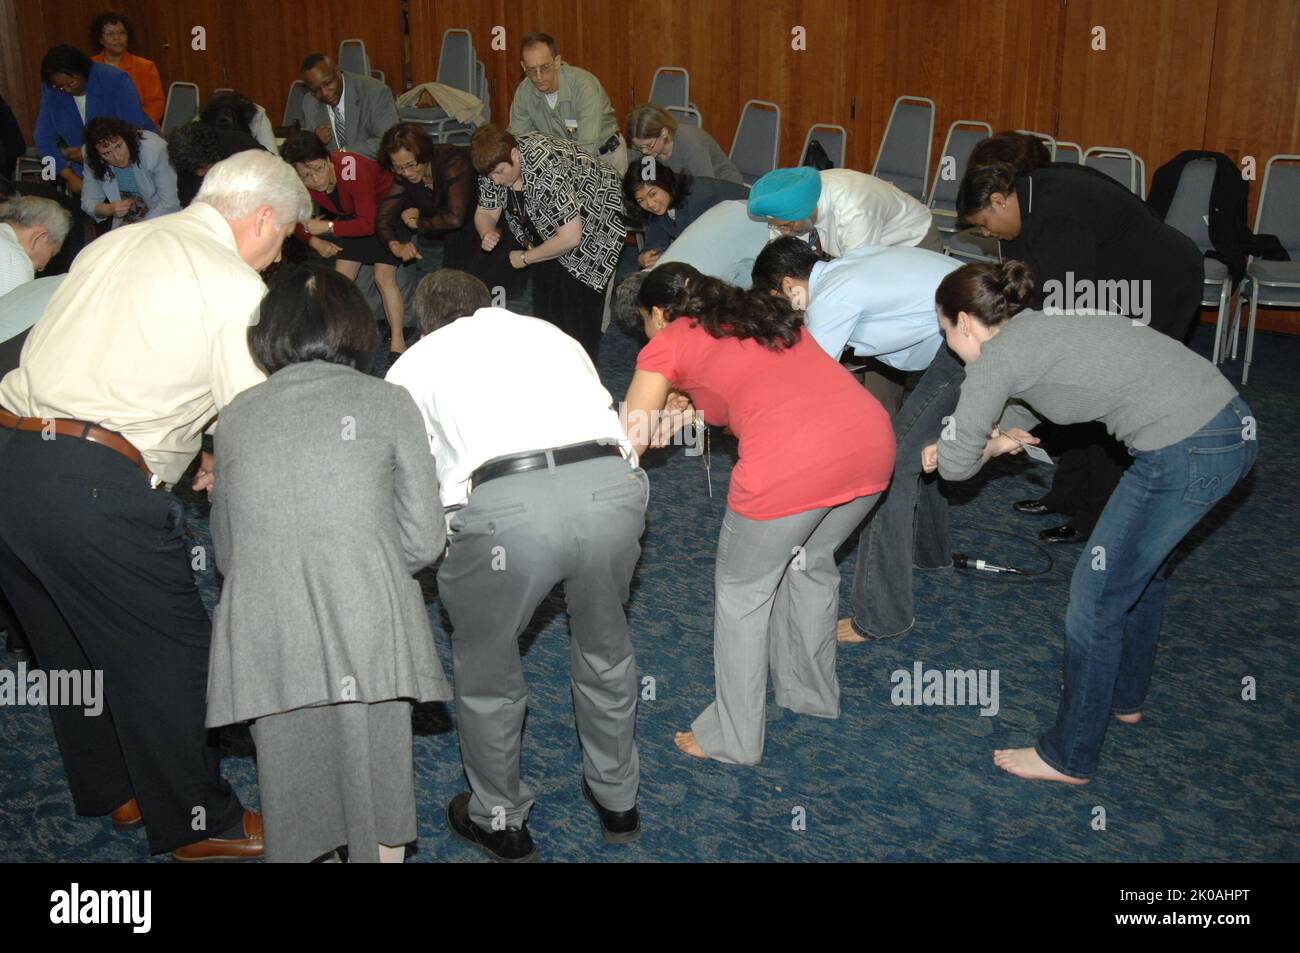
(575, 308)
(97, 567)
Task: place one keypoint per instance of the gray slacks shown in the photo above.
(776, 606)
(516, 539)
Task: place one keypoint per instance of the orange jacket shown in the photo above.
(144, 74)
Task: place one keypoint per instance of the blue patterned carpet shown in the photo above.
(1206, 777)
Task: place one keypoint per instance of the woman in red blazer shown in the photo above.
(348, 188)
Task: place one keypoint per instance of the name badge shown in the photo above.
(572, 126)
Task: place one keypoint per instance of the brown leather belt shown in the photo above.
(82, 430)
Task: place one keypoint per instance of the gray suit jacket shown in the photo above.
(325, 505)
(368, 111)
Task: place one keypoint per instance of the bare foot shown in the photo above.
(845, 635)
(687, 744)
(1025, 763)
(1132, 719)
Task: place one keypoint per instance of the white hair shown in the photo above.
(235, 187)
(32, 211)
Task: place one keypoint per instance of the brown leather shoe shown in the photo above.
(248, 847)
(128, 816)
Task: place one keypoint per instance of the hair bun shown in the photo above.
(1017, 283)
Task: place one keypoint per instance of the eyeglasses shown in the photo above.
(65, 87)
(406, 166)
(540, 71)
(113, 34)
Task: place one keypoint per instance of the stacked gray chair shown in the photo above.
(1274, 284)
(904, 155)
(671, 86)
(353, 58)
(969, 245)
(1123, 165)
(1048, 140)
(456, 68)
(1068, 152)
(758, 137)
(182, 106)
(832, 138)
(1188, 211)
(688, 115)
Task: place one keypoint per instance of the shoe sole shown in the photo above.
(612, 837)
(128, 825)
(475, 842)
(217, 859)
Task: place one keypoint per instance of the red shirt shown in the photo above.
(810, 434)
(361, 186)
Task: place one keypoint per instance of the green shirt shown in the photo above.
(582, 114)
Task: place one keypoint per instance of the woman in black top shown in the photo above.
(1090, 243)
(435, 194)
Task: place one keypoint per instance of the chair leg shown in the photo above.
(1235, 331)
(1250, 331)
(1220, 321)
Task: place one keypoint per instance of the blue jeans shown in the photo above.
(910, 526)
(1117, 592)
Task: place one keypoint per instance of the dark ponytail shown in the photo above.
(993, 294)
(721, 309)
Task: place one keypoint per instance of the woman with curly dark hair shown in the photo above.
(666, 202)
(129, 178)
(112, 33)
(816, 451)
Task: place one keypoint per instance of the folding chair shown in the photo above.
(832, 138)
(671, 86)
(1069, 152)
(293, 104)
(182, 106)
(687, 115)
(1278, 214)
(353, 58)
(904, 155)
(1123, 165)
(379, 75)
(963, 135)
(758, 137)
(1188, 212)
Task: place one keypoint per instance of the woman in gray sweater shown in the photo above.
(325, 505)
(1191, 438)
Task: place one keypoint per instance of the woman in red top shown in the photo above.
(816, 451)
(349, 188)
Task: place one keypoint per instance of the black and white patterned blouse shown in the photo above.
(561, 181)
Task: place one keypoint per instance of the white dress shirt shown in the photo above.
(857, 209)
(16, 267)
(497, 383)
(147, 336)
(880, 302)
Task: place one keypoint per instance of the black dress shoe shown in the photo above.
(1061, 534)
(510, 846)
(620, 827)
(1032, 507)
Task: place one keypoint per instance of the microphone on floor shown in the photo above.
(964, 562)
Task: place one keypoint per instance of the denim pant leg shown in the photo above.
(913, 516)
(1112, 621)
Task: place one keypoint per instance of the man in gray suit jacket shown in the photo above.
(346, 110)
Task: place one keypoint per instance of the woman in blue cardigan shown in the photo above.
(74, 91)
(130, 176)
(667, 201)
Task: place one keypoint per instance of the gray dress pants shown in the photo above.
(517, 538)
(776, 606)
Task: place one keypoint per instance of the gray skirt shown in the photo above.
(335, 775)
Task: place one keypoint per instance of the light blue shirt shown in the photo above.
(722, 243)
(879, 300)
(22, 307)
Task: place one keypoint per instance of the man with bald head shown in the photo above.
(346, 110)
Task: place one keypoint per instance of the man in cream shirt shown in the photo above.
(138, 350)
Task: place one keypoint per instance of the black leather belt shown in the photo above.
(536, 460)
(612, 143)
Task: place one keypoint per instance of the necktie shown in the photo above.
(815, 242)
(340, 132)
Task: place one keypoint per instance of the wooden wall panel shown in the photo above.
(1149, 89)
